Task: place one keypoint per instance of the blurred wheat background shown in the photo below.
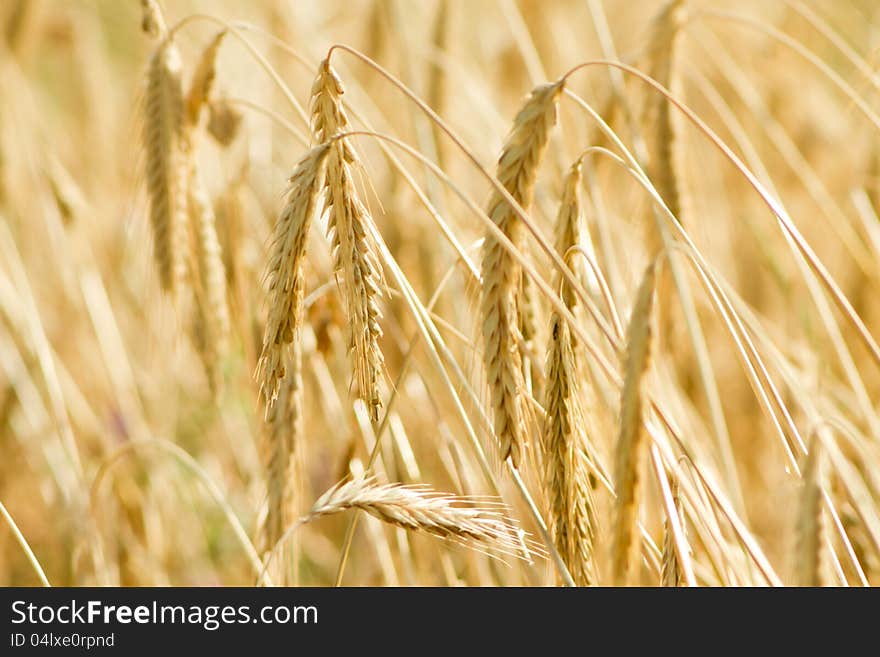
(518, 347)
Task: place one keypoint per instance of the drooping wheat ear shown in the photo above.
(572, 513)
(516, 171)
(207, 269)
(283, 431)
(202, 83)
(632, 442)
(284, 271)
(166, 162)
(469, 521)
(348, 219)
(670, 568)
(810, 528)
(208, 278)
(528, 311)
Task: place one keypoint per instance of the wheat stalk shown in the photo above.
(284, 272)
(632, 442)
(516, 171)
(348, 220)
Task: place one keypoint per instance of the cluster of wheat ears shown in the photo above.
(603, 404)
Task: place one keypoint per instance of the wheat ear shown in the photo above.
(469, 521)
(664, 166)
(632, 441)
(516, 171)
(166, 162)
(284, 272)
(208, 272)
(355, 254)
(572, 513)
(810, 523)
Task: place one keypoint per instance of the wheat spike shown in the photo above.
(284, 272)
(664, 165)
(568, 229)
(202, 83)
(283, 431)
(572, 513)
(516, 171)
(469, 521)
(355, 253)
(632, 441)
(207, 269)
(208, 280)
(166, 162)
(810, 523)
(152, 21)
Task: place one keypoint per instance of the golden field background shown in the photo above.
(118, 463)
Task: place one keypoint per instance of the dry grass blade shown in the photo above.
(632, 441)
(355, 252)
(517, 170)
(284, 272)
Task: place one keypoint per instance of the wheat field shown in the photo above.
(440, 293)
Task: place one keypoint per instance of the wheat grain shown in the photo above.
(632, 442)
(516, 171)
(670, 568)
